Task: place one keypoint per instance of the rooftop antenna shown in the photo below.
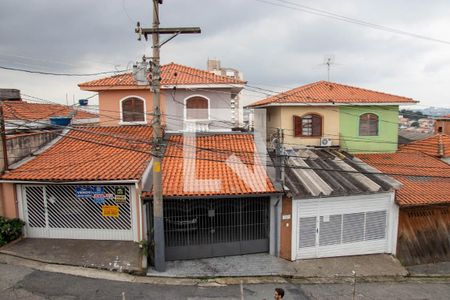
(328, 60)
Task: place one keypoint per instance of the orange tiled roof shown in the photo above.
(437, 145)
(22, 110)
(91, 153)
(211, 165)
(324, 92)
(409, 166)
(171, 74)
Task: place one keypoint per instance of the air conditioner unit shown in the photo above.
(325, 142)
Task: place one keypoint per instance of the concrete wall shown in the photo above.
(273, 119)
(8, 207)
(109, 105)
(219, 104)
(172, 103)
(387, 138)
(330, 123)
(286, 229)
(22, 145)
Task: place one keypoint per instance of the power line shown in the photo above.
(60, 74)
(323, 13)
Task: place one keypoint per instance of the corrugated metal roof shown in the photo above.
(328, 173)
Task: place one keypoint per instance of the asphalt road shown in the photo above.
(17, 282)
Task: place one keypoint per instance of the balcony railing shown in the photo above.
(196, 125)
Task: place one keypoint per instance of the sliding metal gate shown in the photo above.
(196, 228)
(77, 212)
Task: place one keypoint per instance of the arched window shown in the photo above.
(133, 110)
(308, 125)
(368, 124)
(197, 108)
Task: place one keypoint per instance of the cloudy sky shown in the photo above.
(275, 47)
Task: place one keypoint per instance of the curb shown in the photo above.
(132, 271)
(96, 273)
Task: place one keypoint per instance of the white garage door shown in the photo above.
(78, 211)
(344, 226)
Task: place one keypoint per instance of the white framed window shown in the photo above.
(196, 107)
(133, 110)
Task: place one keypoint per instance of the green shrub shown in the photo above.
(10, 229)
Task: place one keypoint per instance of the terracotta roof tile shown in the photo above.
(22, 110)
(211, 165)
(437, 145)
(412, 168)
(324, 92)
(91, 153)
(171, 74)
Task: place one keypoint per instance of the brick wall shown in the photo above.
(442, 126)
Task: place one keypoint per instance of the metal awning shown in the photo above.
(319, 172)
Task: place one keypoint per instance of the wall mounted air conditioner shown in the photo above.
(325, 142)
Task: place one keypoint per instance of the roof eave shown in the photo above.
(275, 104)
(41, 181)
(251, 195)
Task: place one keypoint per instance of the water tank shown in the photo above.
(10, 94)
(83, 102)
(60, 121)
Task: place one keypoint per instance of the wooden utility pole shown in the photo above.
(158, 211)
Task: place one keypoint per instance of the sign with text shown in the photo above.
(120, 195)
(110, 211)
(83, 192)
(98, 194)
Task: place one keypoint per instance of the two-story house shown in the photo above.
(191, 99)
(331, 114)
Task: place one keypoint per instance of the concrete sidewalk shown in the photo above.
(118, 256)
(439, 269)
(378, 265)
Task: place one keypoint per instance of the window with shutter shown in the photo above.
(368, 125)
(316, 125)
(297, 126)
(197, 108)
(133, 110)
(308, 125)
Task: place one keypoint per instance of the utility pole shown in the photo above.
(158, 207)
(3, 148)
(279, 156)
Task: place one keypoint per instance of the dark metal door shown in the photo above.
(198, 228)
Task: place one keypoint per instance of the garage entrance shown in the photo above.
(341, 226)
(199, 228)
(100, 212)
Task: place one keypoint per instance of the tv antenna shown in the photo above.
(328, 60)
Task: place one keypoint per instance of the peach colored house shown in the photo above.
(192, 99)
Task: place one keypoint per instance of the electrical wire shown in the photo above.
(60, 74)
(323, 13)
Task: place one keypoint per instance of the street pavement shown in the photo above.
(20, 282)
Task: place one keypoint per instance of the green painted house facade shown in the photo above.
(387, 136)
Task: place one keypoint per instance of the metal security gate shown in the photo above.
(338, 227)
(198, 228)
(78, 212)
